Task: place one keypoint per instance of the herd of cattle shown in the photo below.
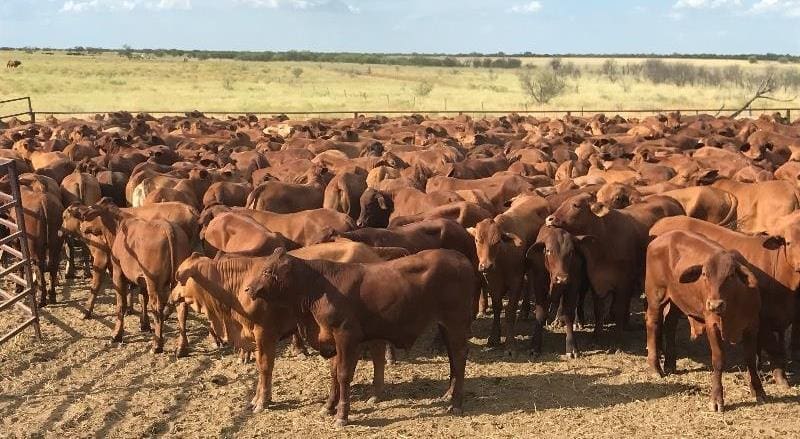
(351, 234)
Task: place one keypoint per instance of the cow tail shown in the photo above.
(172, 268)
(344, 199)
(80, 190)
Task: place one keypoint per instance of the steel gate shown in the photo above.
(11, 204)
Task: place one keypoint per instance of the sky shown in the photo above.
(425, 26)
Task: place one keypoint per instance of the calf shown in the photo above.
(501, 263)
(690, 274)
(338, 306)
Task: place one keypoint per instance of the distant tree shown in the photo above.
(423, 88)
(297, 72)
(542, 86)
(752, 59)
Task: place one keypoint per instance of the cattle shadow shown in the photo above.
(528, 393)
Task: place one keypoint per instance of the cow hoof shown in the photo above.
(457, 411)
(116, 339)
(339, 422)
(87, 315)
(571, 355)
(717, 406)
(761, 397)
(325, 411)
(145, 329)
(157, 350)
(182, 352)
(373, 400)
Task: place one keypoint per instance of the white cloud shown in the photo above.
(789, 8)
(77, 6)
(705, 4)
(332, 5)
(526, 8)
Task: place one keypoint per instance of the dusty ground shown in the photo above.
(74, 384)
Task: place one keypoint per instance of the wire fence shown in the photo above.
(482, 112)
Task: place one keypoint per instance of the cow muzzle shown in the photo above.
(485, 267)
(551, 221)
(715, 306)
(560, 279)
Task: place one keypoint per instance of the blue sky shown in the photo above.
(543, 26)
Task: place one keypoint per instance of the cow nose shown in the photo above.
(561, 278)
(485, 266)
(715, 306)
(550, 220)
(360, 223)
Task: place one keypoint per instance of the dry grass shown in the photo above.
(108, 82)
(74, 384)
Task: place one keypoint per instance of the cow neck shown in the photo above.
(222, 292)
(781, 265)
(313, 277)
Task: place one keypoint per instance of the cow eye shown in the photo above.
(547, 251)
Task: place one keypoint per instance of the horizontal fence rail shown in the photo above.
(785, 111)
(30, 113)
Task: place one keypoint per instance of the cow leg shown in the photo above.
(346, 360)
(378, 353)
(144, 320)
(598, 304)
(795, 342)
(670, 325)
(94, 288)
(750, 348)
(653, 323)
(456, 341)
(53, 269)
(580, 318)
(717, 365)
(773, 343)
(391, 355)
(569, 300)
(121, 290)
(158, 335)
(511, 315)
(442, 334)
(622, 305)
(540, 314)
(497, 309)
(329, 408)
(42, 284)
(298, 346)
(265, 361)
(69, 250)
(183, 341)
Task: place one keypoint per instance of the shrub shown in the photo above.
(297, 72)
(542, 86)
(423, 88)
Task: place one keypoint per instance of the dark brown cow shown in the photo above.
(690, 274)
(338, 306)
(568, 283)
(614, 245)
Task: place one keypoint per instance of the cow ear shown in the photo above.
(382, 202)
(707, 176)
(691, 274)
(774, 242)
(599, 209)
(471, 231)
(746, 276)
(203, 173)
(585, 239)
(537, 247)
(510, 238)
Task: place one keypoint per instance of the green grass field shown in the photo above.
(108, 82)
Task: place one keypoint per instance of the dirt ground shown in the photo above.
(75, 384)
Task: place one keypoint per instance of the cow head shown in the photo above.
(618, 195)
(490, 241)
(560, 251)
(270, 281)
(188, 268)
(575, 214)
(727, 283)
(786, 235)
(376, 207)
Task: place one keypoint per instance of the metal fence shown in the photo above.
(30, 113)
(14, 231)
(786, 112)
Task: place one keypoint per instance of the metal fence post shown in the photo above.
(30, 111)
